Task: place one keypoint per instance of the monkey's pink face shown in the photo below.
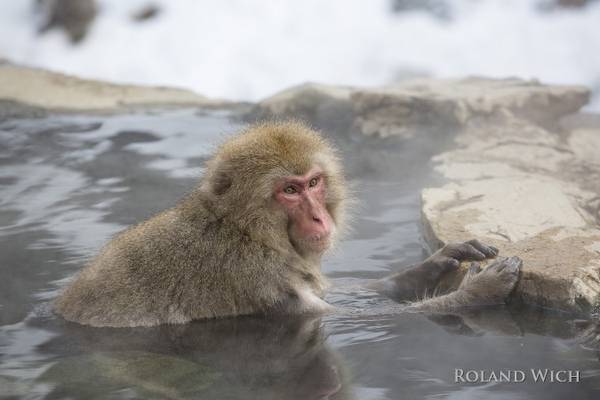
(303, 198)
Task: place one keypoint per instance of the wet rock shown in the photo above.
(55, 91)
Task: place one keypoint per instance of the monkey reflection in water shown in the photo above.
(250, 357)
(249, 240)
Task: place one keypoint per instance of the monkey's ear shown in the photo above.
(221, 183)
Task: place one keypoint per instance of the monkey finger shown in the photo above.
(447, 263)
(511, 264)
(463, 251)
(497, 265)
(489, 251)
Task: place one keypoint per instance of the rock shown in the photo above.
(403, 109)
(532, 191)
(453, 103)
(54, 91)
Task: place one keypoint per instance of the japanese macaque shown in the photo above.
(249, 241)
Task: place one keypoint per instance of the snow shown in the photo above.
(247, 50)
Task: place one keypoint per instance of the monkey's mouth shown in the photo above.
(318, 242)
(318, 238)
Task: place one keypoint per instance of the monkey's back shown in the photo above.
(170, 269)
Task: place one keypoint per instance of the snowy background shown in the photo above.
(246, 50)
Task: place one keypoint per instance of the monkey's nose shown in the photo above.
(316, 219)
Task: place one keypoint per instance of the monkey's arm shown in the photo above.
(478, 288)
(419, 281)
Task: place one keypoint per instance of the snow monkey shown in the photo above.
(249, 240)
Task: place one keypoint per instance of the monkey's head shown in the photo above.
(281, 182)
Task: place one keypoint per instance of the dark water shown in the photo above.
(67, 183)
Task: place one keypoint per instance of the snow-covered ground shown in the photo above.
(242, 49)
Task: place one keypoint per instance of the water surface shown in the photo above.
(69, 182)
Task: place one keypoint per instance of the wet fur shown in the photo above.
(223, 250)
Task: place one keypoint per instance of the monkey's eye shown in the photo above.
(313, 182)
(290, 190)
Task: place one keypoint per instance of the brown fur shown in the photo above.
(223, 250)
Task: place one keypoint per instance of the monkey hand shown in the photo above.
(449, 257)
(424, 277)
(493, 284)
